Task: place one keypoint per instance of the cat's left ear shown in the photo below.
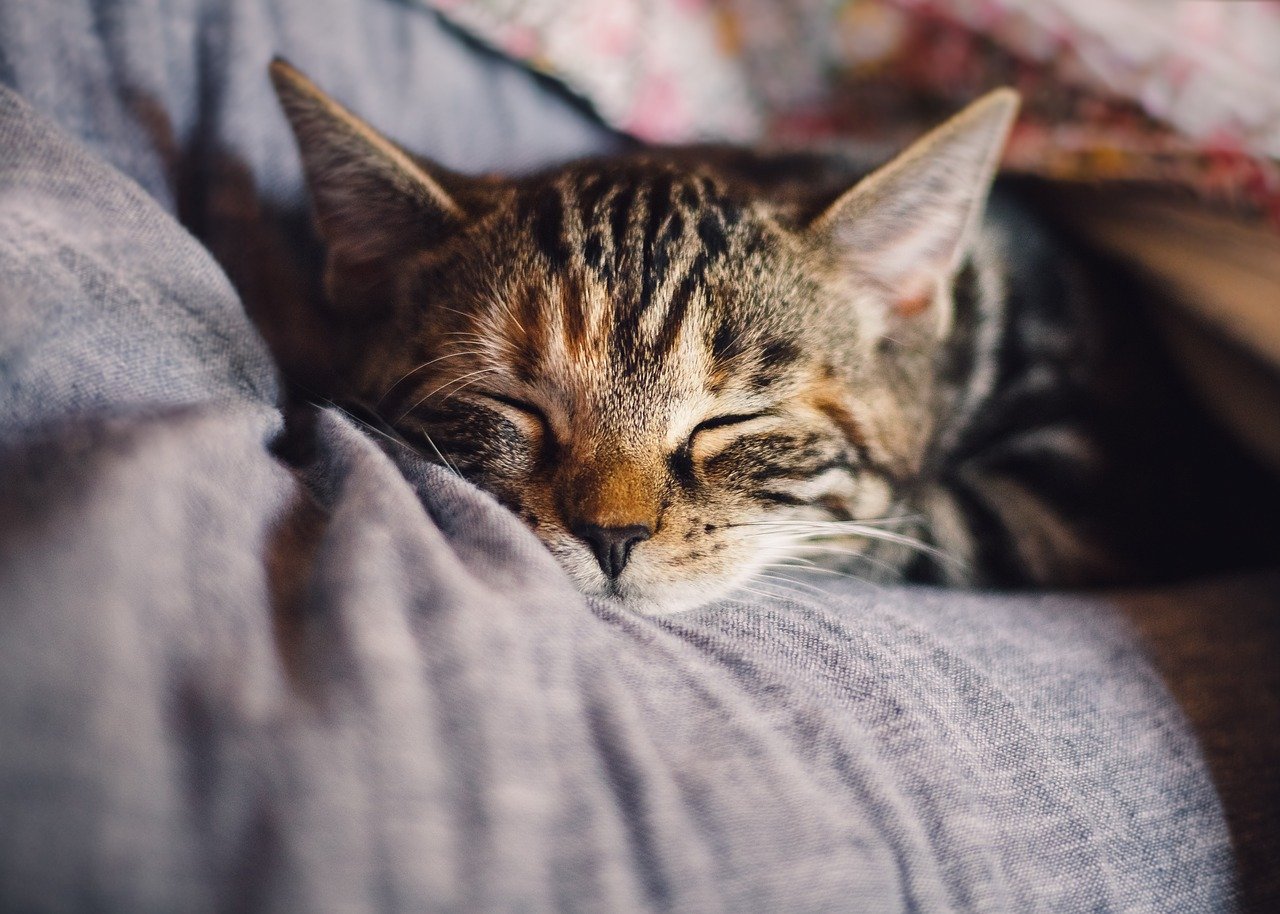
(907, 227)
(372, 199)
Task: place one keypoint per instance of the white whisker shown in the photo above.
(811, 568)
(745, 589)
(887, 519)
(461, 387)
(851, 554)
(395, 438)
(413, 371)
(791, 582)
(812, 530)
(470, 374)
(808, 566)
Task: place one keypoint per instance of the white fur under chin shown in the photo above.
(672, 600)
(649, 599)
(655, 595)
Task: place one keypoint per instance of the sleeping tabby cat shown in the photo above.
(687, 368)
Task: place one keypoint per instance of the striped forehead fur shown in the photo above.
(636, 243)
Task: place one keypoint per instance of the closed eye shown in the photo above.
(520, 406)
(724, 421)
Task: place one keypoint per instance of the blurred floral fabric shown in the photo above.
(1183, 92)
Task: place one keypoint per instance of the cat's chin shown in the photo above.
(644, 588)
(660, 606)
(666, 600)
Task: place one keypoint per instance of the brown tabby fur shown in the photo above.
(677, 374)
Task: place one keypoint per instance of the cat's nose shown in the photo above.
(612, 545)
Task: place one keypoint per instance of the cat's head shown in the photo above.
(669, 372)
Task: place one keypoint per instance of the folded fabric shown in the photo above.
(91, 327)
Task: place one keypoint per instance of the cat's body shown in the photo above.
(685, 368)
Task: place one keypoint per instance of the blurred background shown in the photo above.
(1181, 92)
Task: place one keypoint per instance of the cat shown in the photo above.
(688, 370)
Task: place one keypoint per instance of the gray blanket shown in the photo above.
(248, 664)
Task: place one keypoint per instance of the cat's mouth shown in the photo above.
(644, 597)
(650, 587)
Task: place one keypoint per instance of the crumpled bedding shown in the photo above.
(1182, 94)
(257, 659)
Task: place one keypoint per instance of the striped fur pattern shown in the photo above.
(691, 370)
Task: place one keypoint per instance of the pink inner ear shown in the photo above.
(914, 296)
(912, 306)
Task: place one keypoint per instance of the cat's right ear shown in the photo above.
(373, 201)
(907, 227)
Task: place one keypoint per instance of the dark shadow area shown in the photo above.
(1218, 648)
